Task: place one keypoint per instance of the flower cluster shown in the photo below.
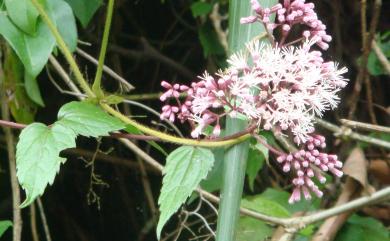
(279, 86)
(292, 12)
(283, 88)
(303, 161)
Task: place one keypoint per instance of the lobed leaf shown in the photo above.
(37, 156)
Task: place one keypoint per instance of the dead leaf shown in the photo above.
(380, 170)
(356, 167)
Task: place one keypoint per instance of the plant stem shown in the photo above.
(170, 138)
(232, 183)
(10, 142)
(234, 165)
(96, 87)
(64, 49)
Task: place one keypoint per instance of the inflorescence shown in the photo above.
(282, 86)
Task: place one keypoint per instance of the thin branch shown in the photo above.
(107, 70)
(33, 223)
(367, 41)
(346, 132)
(381, 57)
(44, 220)
(150, 52)
(365, 126)
(9, 137)
(64, 48)
(96, 87)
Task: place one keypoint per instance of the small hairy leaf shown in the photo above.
(84, 9)
(4, 225)
(185, 168)
(87, 119)
(37, 156)
(23, 14)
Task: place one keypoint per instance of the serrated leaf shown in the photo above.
(201, 8)
(84, 9)
(37, 156)
(62, 14)
(185, 168)
(32, 89)
(250, 229)
(87, 119)
(265, 206)
(33, 51)
(4, 225)
(23, 14)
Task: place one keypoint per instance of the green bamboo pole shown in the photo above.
(236, 157)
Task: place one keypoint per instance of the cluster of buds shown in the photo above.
(288, 14)
(308, 163)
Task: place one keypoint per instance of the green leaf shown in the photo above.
(213, 181)
(209, 40)
(374, 66)
(4, 225)
(256, 157)
(265, 206)
(23, 14)
(33, 51)
(87, 119)
(84, 9)
(201, 8)
(23, 110)
(62, 15)
(360, 228)
(37, 157)
(281, 197)
(250, 229)
(185, 168)
(32, 89)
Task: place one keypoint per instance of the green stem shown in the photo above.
(96, 87)
(235, 161)
(64, 49)
(232, 185)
